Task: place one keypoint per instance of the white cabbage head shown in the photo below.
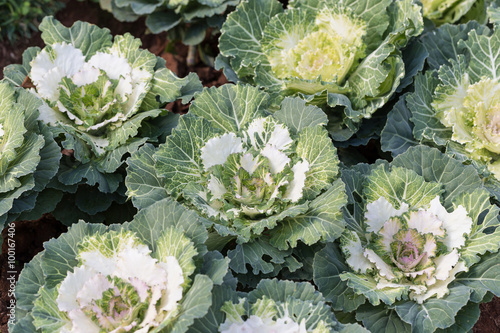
(414, 248)
(119, 287)
(255, 174)
(93, 96)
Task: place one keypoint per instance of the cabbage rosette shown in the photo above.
(344, 56)
(282, 306)
(97, 93)
(267, 180)
(153, 274)
(187, 20)
(29, 156)
(419, 246)
(456, 104)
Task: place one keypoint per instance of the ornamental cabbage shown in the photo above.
(151, 275)
(340, 55)
(267, 180)
(97, 93)
(421, 233)
(282, 306)
(29, 155)
(455, 105)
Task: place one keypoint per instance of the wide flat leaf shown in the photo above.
(47, 317)
(230, 107)
(143, 185)
(434, 313)
(323, 221)
(484, 55)
(482, 277)
(245, 26)
(87, 37)
(259, 254)
(437, 167)
(397, 135)
(60, 254)
(150, 222)
(381, 319)
(328, 265)
(179, 159)
(296, 115)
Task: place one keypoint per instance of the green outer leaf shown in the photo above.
(442, 43)
(215, 266)
(149, 223)
(143, 185)
(427, 125)
(253, 254)
(464, 320)
(482, 277)
(296, 115)
(437, 167)
(47, 317)
(323, 221)
(230, 107)
(282, 290)
(25, 161)
(328, 265)
(166, 87)
(400, 185)
(59, 257)
(7, 199)
(179, 159)
(29, 282)
(314, 145)
(484, 56)
(434, 313)
(485, 236)
(397, 135)
(211, 321)
(245, 26)
(367, 286)
(381, 319)
(195, 304)
(87, 37)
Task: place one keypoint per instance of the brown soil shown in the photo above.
(489, 321)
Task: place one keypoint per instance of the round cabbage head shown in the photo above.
(266, 179)
(421, 231)
(340, 55)
(144, 276)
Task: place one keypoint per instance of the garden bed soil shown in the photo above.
(30, 235)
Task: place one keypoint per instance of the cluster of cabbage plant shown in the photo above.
(268, 180)
(96, 93)
(419, 246)
(344, 56)
(153, 274)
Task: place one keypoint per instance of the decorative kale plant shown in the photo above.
(267, 180)
(344, 56)
(153, 274)
(29, 156)
(420, 246)
(187, 20)
(455, 104)
(282, 306)
(97, 93)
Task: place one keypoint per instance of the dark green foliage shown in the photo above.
(21, 18)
